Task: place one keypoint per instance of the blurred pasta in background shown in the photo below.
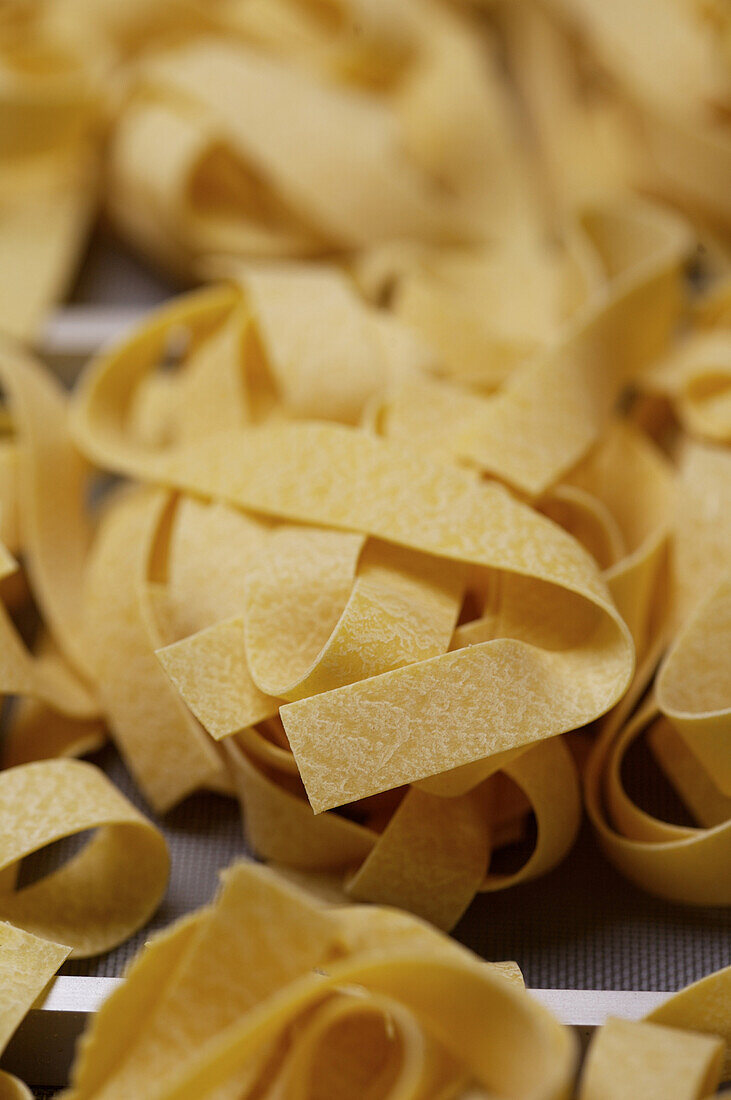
(442, 153)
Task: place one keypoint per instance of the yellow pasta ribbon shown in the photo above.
(107, 890)
(676, 862)
(48, 113)
(629, 1055)
(168, 752)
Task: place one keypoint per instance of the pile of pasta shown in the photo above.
(404, 529)
(403, 621)
(270, 993)
(426, 146)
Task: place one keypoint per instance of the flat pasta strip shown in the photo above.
(430, 859)
(107, 890)
(226, 700)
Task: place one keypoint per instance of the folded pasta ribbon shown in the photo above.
(42, 501)
(556, 404)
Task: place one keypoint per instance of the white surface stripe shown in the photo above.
(580, 1007)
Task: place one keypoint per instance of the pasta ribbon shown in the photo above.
(103, 893)
(680, 863)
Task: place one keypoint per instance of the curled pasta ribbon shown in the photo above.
(556, 404)
(676, 862)
(620, 503)
(167, 750)
(27, 964)
(687, 717)
(393, 495)
(103, 893)
(694, 688)
(220, 468)
(302, 1000)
